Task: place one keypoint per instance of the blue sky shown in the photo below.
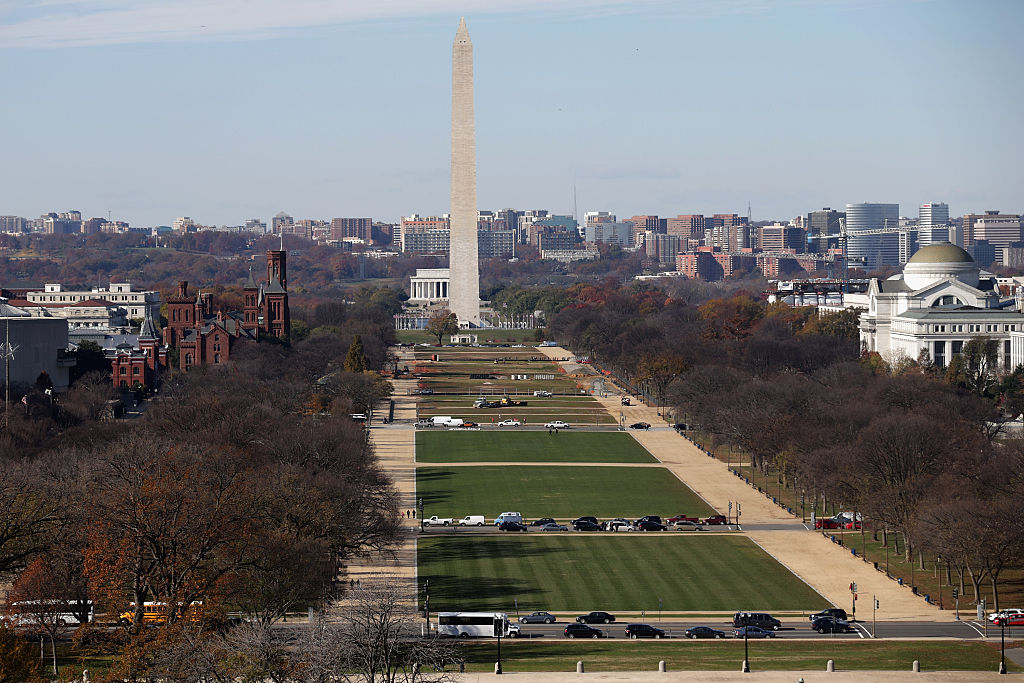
(226, 110)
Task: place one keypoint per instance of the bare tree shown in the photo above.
(377, 639)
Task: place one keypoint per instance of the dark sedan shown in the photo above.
(651, 526)
(586, 525)
(640, 425)
(833, 612)
(595, 618)
(512, 526)
(704, 632)
(586, 518)
(538, 618)
(542, 521)
(831, 625)
(582, 631)
(635, 631)
(648, 518)
(753, 632)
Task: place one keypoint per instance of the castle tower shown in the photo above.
(276, 316)
(464, 295)
(277, 266)
(180, 312)
(251, 308)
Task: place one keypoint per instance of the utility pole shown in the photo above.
(874, 608)
(853, 592)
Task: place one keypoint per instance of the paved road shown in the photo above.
(794, 628)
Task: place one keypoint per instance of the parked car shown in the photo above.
(704, 632)
(582, 631)
(424, 423)
(510, 423)
(595, 618)
(760, 619)
(1008, 617)
(640, 425)
(834, 612)
(554, 527)
(512, 526)
(648, 518)
(831, 625)
(753, 632)
(586, 525)
(687, 525)
(542, 393)
(625, 401)
(635, 631)
(538, 618)
(651, 526)
(714, 519)
(586, 518)
(358, 417)
(557, 424)
(508, 517)
(542, 521)
(472, 520)
(618, 524)
(437, 521)
(682, 518)
(469, 424)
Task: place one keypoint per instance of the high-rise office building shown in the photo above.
(820, 224)
(933, 224)
(873, 251)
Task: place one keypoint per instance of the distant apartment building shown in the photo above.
(780, 237)
(689, 226)
(434, 241)
(495, 243)
(697, 265)
(581, 253)
(549, 225)
(415, 224)
(610, 232)
(184, 224)
(556, 240)
(281, 223)
(526, 219)
(13, 224)
(256, 225)
(663, 248)
(819, 225)
(114, 227)
(358, 228)
(62, 224)
(645, 224)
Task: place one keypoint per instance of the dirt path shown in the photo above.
(395, 446)
(827, 567)
(489, 463)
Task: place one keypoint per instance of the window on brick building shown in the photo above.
(135, 370)
(124, 370)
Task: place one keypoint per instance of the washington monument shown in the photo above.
(464, 296)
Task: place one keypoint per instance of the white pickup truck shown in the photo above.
(437, 521)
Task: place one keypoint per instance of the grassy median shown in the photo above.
(524, 446)
(563, 492)
(774, 655)
(562, 572)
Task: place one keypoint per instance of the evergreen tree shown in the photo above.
(355, 360)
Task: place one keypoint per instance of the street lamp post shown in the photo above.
(746, 653)
(1002, 646)
(497, 668)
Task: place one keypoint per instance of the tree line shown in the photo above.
(243, 488)
(916, 450)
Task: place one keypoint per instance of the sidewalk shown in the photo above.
(826, 567)
(763, 676)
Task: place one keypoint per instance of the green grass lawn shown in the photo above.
(610, 572)
(563, 492)
(765, 655)
(512, 446)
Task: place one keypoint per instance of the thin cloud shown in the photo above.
(76, 23)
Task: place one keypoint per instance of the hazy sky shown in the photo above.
(224, 110)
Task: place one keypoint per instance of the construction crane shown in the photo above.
(843, 235)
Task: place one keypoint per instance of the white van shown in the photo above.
(472, 520)
(508, 517)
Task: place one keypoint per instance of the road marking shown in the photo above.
(976, 626)
(861, 631)
(807, 528)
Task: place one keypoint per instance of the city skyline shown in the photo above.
(652, 108)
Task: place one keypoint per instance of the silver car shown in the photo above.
(538, 618)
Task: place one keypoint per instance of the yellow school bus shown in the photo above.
(156, 612)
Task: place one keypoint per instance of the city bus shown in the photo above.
(475, 625)
(58, 612)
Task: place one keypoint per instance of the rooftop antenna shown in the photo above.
(282, 238)
(748, 211)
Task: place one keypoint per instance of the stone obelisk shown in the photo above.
(464, 292)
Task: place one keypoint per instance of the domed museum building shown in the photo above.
(940, 301)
